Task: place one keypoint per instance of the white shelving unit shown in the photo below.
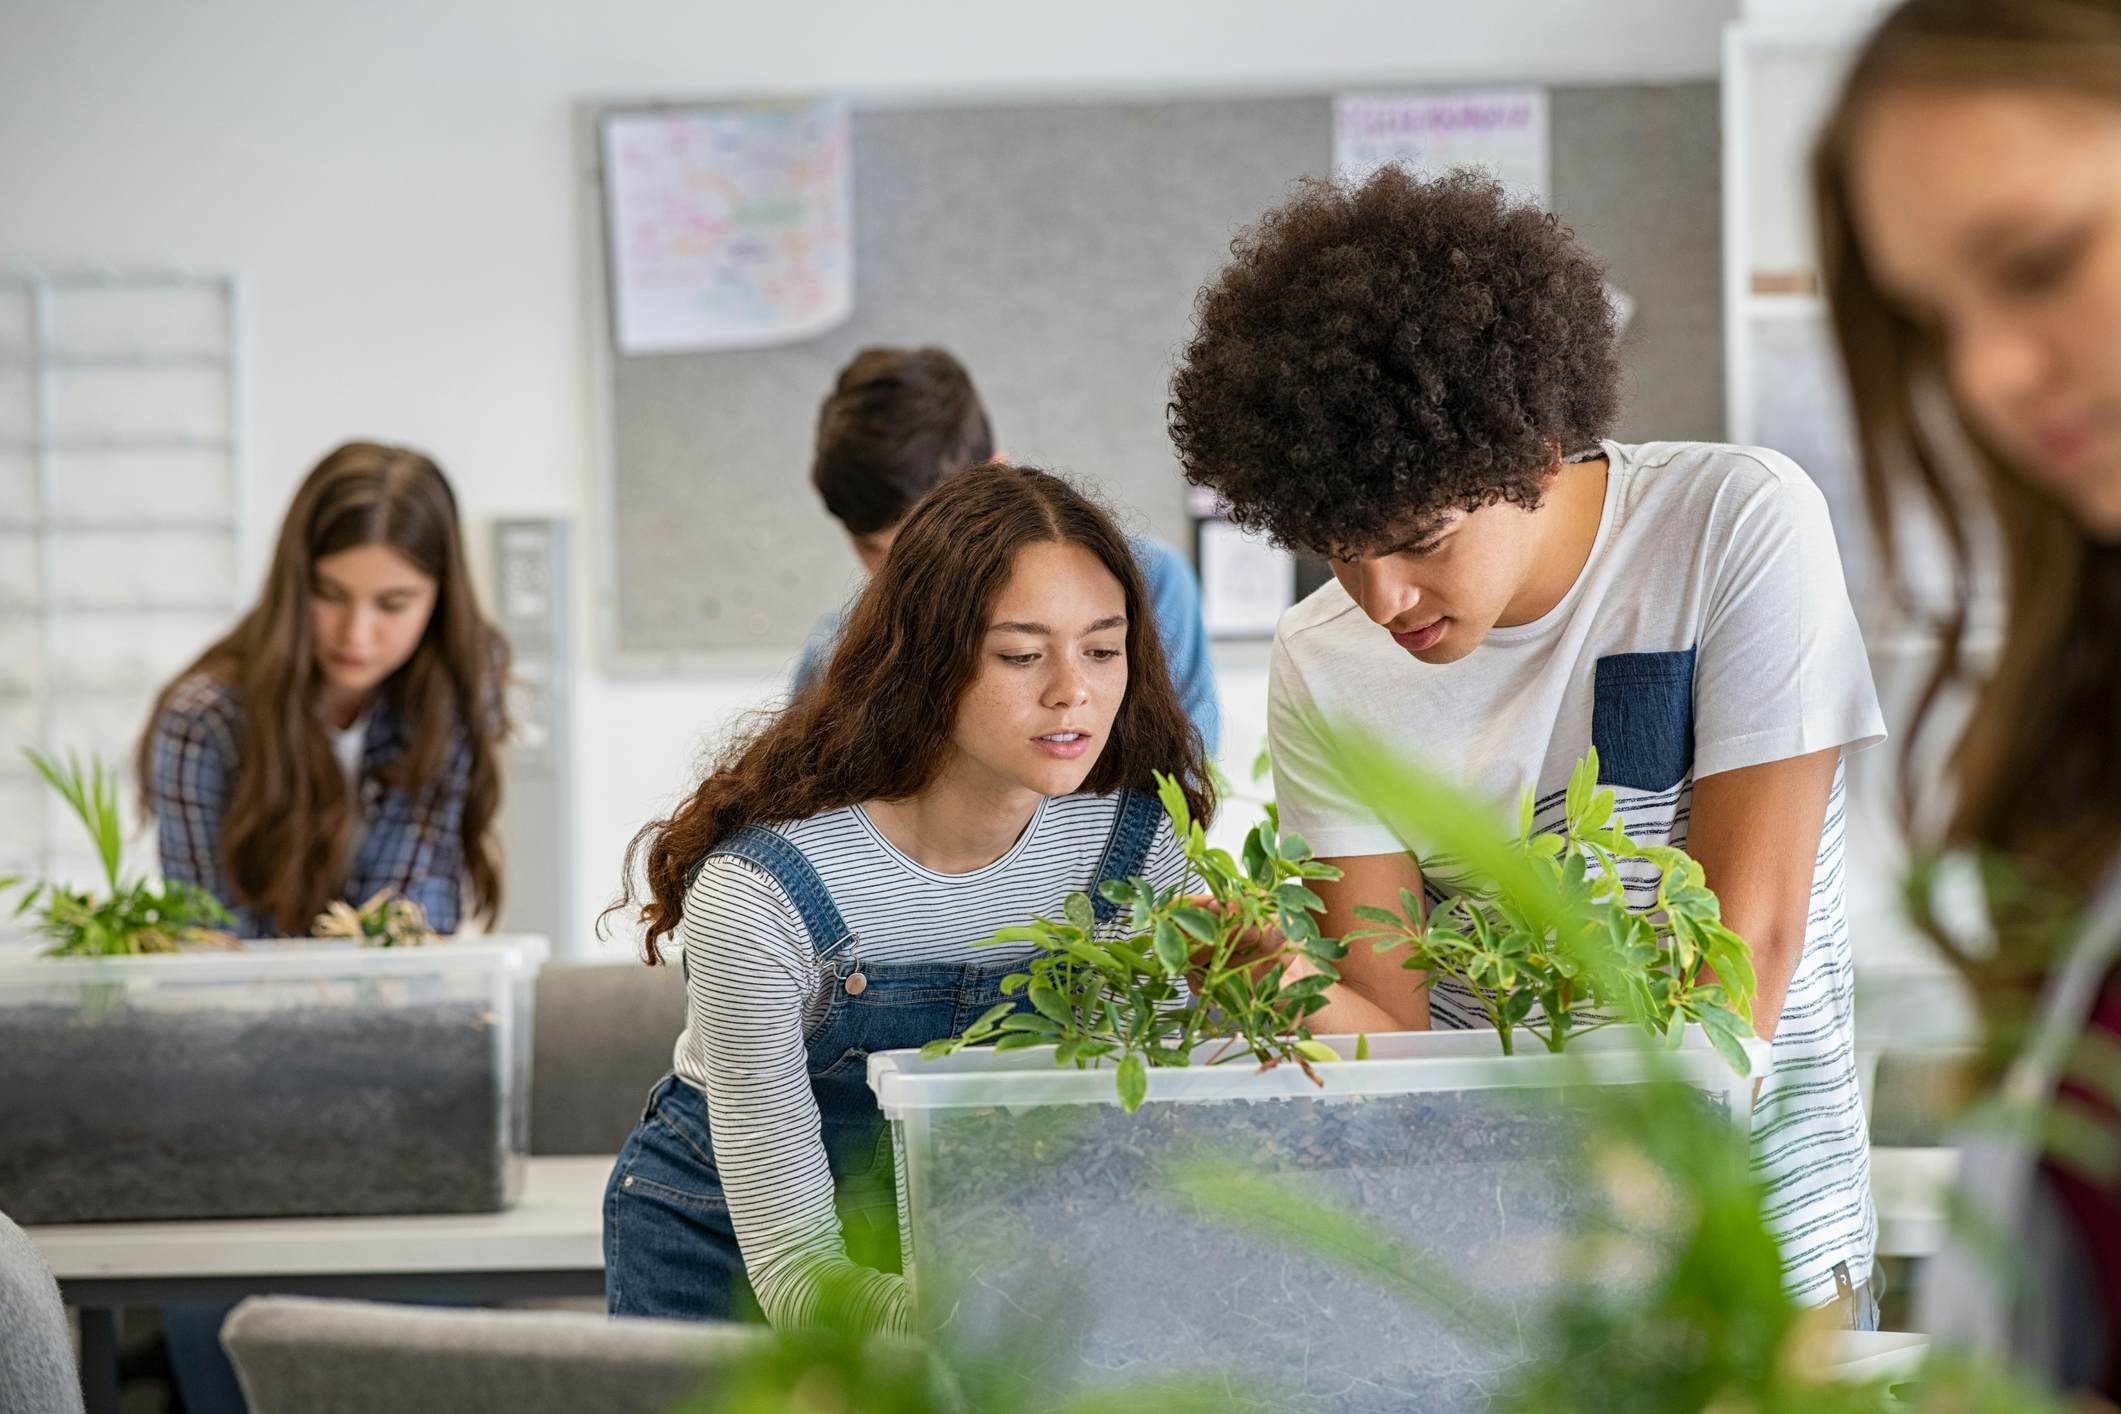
(122, 478)
(1782, 384)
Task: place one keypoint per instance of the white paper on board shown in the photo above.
(1504, 130)
(728, 226)
(1245, 583)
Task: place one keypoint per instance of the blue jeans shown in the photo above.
(197, 1365)
(669, 1247)
(1861, 1305)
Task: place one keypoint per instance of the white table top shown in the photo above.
(556, 1226)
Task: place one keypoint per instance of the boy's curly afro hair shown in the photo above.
(1377, 356)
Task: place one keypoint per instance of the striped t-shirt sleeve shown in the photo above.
(748, 965)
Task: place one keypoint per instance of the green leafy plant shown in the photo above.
(129, 917)
(1586, 960)
(1178, 970)
(386, 920)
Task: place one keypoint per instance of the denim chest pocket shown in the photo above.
(1642, 719)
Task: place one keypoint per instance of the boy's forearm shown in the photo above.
(1350, 1009)
(1755, 832)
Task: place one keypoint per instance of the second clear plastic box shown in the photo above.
(1038, 1212)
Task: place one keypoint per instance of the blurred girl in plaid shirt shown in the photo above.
(342, 738)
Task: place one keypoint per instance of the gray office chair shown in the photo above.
(36, 1353)
(299, 1355)
(602, 1039)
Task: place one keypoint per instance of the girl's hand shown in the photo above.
(1259, 948)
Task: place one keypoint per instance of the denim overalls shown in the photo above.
(669, 1247)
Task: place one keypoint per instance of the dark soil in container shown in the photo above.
(1056, 1219)
(222, 1113)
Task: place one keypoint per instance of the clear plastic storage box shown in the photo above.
(287, 1078)
(1040, 1213)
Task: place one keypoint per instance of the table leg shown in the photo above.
(99, 1359)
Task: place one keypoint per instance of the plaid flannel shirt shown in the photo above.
(414, 845)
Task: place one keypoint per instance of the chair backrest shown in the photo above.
(601, 1038)
(298, 1355)
(36, 1353)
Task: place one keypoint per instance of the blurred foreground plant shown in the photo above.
(1588, 960)
(1670, 1298)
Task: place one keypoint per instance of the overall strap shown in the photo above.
(798, 878)
(1133, 831)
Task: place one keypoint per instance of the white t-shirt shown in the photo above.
(1710, 630)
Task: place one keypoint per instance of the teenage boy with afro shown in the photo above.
(1416, 380)
(896, 423)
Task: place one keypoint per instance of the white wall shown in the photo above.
(396, 183)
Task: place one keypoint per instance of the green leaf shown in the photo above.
(990, 1018)
(1171, 950)
(1098, 957)
(1079, 912)
(1173, 796)
(1385, 916)
(1019, 933)
(1050, 1004)
(93, 797)
(1298, 929)
(1133, 1083)
(1313, 986)
(1582, 781)
(1294, 846)
(1199, 922)
(1296, 898)
(1019, 1041)
(1258, 864)
(1317, 1050)
(1362, 1045)
(1727, 1034)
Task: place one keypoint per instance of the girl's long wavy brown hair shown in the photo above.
(877, 723)
(2035, 774)
(284, 839)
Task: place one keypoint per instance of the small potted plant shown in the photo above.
(1040, 1162)
(152, 1067)
(386, 920)
(131, 917)
(1180, 981)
